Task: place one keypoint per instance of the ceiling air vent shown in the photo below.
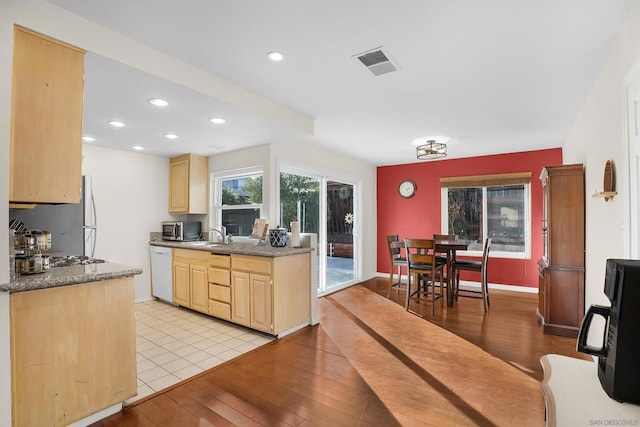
(378, 61)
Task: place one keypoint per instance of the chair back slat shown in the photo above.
(395, 249)
(420, 251)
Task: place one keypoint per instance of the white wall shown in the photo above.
(6, 55)
(339, 165)
(312, 157)
(132, 198)
(598, 134)
(257, 156)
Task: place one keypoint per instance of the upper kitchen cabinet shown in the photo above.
(46, 121)
(188, 184)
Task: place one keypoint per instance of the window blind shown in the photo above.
(494, 180)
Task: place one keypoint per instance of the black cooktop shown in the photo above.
(71, 260)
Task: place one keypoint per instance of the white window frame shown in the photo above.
(493, 253)
(216, 193)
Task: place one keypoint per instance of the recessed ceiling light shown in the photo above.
(138, 148)
(159, 102)
(88, 138)
(275, 56)
(171, 136)
(116, 123)
(218, 120)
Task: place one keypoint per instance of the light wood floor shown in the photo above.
(370, 362)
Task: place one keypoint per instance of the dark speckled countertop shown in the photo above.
(235, 248)
(62, 276)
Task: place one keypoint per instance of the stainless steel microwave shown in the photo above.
(181, 230)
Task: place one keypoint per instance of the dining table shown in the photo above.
(450, 246)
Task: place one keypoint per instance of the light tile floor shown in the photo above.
(174, 344)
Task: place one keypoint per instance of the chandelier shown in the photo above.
(431, 150)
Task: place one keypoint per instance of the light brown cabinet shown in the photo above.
(46, 121)
(241, 298)
(562, 266)
(220, 286)
(270, 294)
(73, 351)
(190, 284)
(188, 184)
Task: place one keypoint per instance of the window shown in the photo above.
(238, 201)
(500, 212)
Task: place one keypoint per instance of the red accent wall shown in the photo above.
(420, 216)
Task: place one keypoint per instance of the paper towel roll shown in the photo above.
(295, 234)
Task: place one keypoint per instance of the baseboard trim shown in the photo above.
(464, 284)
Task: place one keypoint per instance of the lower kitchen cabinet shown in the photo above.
(181, 283)
(271, 294)
(220, 286)
(261, 307)
(73, 351)
(190, 283)
(199, 288)
(251, 299)
(240, 298)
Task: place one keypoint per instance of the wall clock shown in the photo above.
(407, 188)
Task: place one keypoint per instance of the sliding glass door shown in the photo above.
(340, 219)
(323, 206)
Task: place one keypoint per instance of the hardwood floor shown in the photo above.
(370, 362)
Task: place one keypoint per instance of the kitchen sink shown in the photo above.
(204, 243)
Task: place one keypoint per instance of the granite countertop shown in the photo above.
(62, 276)
(235, 248)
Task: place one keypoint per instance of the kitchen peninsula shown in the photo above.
(262, 287)
(73, 342)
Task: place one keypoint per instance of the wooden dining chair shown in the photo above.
(423, 269)
(480, 266)
(395, 259)
(442, 256)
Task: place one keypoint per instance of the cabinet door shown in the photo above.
(181, 283)
(199, 288)
(240, 298)
(261, 309)
(46, 126)
(541, 293)
(179, 185)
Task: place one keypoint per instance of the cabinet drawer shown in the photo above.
(223, 261)
(220, 293)
(220, 309)
(191, 256)
(251, 264)
(221, 277)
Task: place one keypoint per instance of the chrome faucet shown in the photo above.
(222, 232)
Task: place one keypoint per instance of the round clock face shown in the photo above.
(407, 188)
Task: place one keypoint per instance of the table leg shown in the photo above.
(449, 279)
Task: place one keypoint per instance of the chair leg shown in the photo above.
(485, 292)
(390, 281)
(399, 280)
(406, 305)
(442, 296)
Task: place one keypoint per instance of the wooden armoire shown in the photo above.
(561, 267)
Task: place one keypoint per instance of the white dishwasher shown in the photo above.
(161, 274)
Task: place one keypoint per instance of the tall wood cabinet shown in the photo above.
(561, 268)
(46, 120)
(188, 184)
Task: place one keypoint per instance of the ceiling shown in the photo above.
(494, 76)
